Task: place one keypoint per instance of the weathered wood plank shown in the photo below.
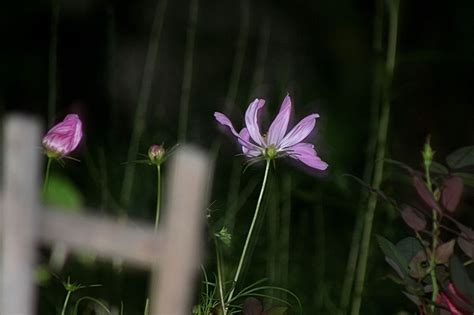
(135, 243)
(19, 212)
(188, 185)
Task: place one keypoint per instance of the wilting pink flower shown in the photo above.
(277, 142)
(63, 137)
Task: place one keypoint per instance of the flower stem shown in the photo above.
(46, 177)
(158, 196)
(249, 234)
(219, 278)
(434, 243)
(188, 70)
(147, 306)
(393, 7)
(65, 302)
(139, 123)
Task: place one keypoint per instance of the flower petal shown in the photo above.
(299, 132)
(305, 153)
(278, 128)
(65, 136)
(251, 121)
(223, 120)
(250, 151)
(244, 141)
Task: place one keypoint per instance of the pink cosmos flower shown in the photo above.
(63, 137)
(277, 142)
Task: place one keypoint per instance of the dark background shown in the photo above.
(320, 52)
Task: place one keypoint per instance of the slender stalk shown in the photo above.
(393, 6)
(158, 196)
(369, 154)
(63, 311)
(146, 311)
(434, 243)
(249, 234)
(262, 52)
(320, 254)
(377, 81)
(112, 73)
(53, 61)
(46, 176)
(233, 196)
(188, 71)
(143, 100)
(220, 277)
(285, 232)
(274, 233)
(239, 57)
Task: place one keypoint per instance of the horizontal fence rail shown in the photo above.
(173, 254)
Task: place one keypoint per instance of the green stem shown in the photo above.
(188, 70)
(249, 234)
(434, 243)
(220, 277)
(147, 307)
(65, 302)
(238, 57)
(46, 177)
(393, 6)
(139, 123)
(377, 82)
(158, 196)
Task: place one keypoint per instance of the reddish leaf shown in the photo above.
(252, 306)
(424, 193)
(466, 240)
(445, 251)
(413, 218)
(452, 191)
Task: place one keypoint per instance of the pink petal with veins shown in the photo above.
(279, 126)
(299, 132)
(305, 153)
(251, 121)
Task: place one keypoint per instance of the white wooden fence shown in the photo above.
(172, 254)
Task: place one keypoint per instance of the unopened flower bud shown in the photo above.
(156, 154)
(63, 137)
(428, 153)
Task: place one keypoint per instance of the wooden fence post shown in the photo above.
(19, 209)
(173, 278)
(173, 254)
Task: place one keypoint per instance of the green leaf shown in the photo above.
(279, 310)
(438, 168)
(63, 193)
(409, 247)
(462, 157)
(460, 278)
(467, 178)
(393, 253)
